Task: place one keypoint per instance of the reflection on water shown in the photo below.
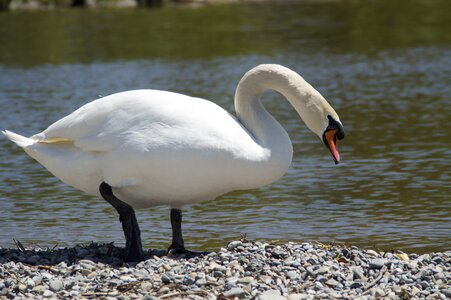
(389, 84)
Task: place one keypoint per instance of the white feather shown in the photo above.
(155, 147)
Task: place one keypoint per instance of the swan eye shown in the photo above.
(340, 134)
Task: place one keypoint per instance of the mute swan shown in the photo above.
(150, 147)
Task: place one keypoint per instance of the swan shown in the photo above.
(142, 148)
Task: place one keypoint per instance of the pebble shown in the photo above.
(241, 270)
(234, 292)
(246, 280)
(271, 295)
(55, 285)
(232, 245)
(165, 278)
(372, 253)
(292, 274)
(47, 293)
(332, 282)
(377, 263)
(357, 274)
(298, 296)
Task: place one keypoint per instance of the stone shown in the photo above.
(372, 253)
(379, 293)
(30, 283)
(39, 288)
(86, 272)
(234, 292)
(74, 293)
(271, 295)
(402, 256)
(127, 278)
(5, 291)
(355, 285)
(55, 285)
(246, 280)
(232, 245)
(318, 286)
(188, 281)
(217, 274)
(377, 263)
(299, 296)
(47, 293)
(414, 290)
(424, 284)
(322, 271)
(21, 287)
(437, 260)
(165, 278)
(332, 282)
(447, 292)
(292, 274)
(201, 282)
(357, 274)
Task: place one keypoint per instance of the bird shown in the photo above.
(142, 148)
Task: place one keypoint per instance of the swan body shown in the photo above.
(156, 147)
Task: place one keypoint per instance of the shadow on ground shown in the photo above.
(98, 253)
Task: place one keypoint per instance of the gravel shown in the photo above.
(241, 270)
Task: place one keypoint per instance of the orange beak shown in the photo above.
(331, 143)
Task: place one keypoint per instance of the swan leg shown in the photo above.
(176, 223)
(133, 246)
(177, 247)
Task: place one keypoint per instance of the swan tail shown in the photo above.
(20, 140)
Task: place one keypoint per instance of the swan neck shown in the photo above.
(248, 106)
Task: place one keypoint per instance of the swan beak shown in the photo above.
(330, 139)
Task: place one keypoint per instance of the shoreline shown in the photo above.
(46, 5)
(243, 269)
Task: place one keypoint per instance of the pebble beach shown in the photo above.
(241, 270)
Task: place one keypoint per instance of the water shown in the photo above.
(384, 66)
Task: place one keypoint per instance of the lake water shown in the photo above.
(385, 66)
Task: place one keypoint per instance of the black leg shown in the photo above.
(177, 247)
(133, 247)
(177, 239)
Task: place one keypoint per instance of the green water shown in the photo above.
(385, 66)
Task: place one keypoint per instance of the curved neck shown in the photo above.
(250, 111)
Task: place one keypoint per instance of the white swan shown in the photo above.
(150, 147)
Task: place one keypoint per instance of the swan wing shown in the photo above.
(145, 120)
(91, 126)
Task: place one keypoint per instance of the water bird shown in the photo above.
(142, 148)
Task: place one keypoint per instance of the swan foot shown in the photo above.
(133, 246)
(183, 253)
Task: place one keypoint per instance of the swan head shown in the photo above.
(333, 132)
(320, 118)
